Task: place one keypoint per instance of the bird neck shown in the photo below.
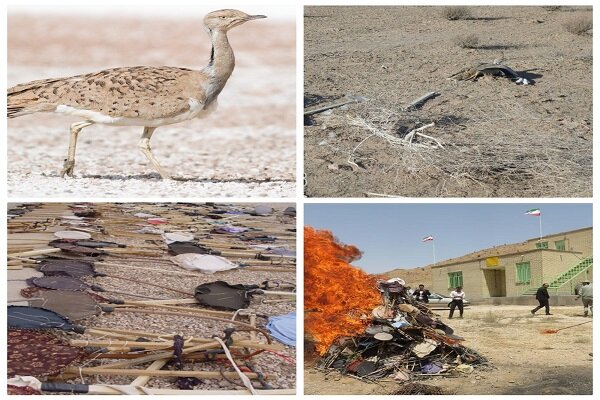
(222, 60)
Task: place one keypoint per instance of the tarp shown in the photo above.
(24, 317)
(172, 237)
(39, 353)
(72, 247)
(229, 229)
(177, 248)
(205, 263)
(72, 235)
(61, 283)
(220, 294)
(283, 328)
(72, 268)
(73, 305)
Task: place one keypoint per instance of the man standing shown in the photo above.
(457, 301)
(422, 294)
(585, 292)
(543, 298)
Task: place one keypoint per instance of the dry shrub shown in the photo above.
(582, 340)
(491, 318)
(455, 13)
(552, 8)
(415, 388)
(469, 41)
(579, 25)
(484, 154)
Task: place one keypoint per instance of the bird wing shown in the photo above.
(498, 68)
(130, 92)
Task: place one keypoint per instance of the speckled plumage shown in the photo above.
(134, 92)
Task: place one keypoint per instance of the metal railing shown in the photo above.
(560, 284)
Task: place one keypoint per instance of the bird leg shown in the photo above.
(70, 161)
(145, 148)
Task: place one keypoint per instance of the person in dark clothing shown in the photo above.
(543, 298)
(422, 294)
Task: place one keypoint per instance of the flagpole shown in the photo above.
(433, 244)
(540, 227)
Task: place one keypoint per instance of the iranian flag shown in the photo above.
(534, 211)
(427, 239)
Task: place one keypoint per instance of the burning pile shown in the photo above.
(373, 329)
(337, 296)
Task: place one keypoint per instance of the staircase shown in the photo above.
(561, 280)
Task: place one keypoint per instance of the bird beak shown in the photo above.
(251, 17)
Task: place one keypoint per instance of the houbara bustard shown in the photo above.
(136, 96)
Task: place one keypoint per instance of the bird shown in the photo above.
(145, 96)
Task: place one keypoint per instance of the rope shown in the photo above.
(282, 356)
(243, 377)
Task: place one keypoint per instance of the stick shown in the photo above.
(58, 387)
(145, 372)
(128, 344)
(34, 253)
(133, 335)
(431, 138)
(380, 194)
(415, 103)
(173, 308)
(409, 137)
(154, 357)
(142, 380)
(329, 107)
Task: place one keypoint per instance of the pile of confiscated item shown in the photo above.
(99, 302)
(404, 340)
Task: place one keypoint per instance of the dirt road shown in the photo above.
(524, 361)
(246, 148)
(499, 139)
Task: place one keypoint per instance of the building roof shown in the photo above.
(505, 249)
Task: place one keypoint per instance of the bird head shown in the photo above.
(226, 19)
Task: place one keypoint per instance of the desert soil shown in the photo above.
(523, 360)
(246, 148)
(499, 139)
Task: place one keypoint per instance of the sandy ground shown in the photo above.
(281, 366)
(524, 361)
(246, 148)
(499, 139)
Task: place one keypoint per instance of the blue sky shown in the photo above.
(389, 235)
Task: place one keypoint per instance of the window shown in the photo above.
(560, 245)
(541, 245)
(523, 272)
(455, 279)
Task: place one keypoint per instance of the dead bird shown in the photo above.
(486, 69)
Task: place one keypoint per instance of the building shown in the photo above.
(562, 260)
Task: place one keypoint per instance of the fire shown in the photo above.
(336, 294)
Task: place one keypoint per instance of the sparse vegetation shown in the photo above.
(551, 8)
(456, 13)
(490, 318)
(500, 139)
(579, 25)
(468, 41)
(582, 340)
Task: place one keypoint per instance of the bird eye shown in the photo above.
(223, 17)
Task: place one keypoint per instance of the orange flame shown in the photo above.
(336, 294)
